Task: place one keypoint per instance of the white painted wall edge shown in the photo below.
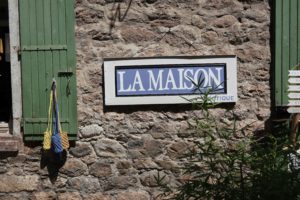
(13, 8)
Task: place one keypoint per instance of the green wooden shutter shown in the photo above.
(287, 45)
(47, 52)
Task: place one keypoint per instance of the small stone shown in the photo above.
(168, 165)
(177, 149)
(124, 167)
(43, 195)
(100, 170)
(210, 38)
(85, 184)
(15, 196)
(91, 130)
(257, 14)
(152, 148)
(146, 163)
(121, 182)
(133, 195)
(263, 113)
(109, 148)
(198, 21)
(137, 35)
(225, 21)
(150, 178)
(69, 196)
(96, 196)
(81, 149)
(135, 143)
(3, 170)
(135, 154)
(158, 135)
(162, 29)
(124, 164)
(74, 167)
(18, 183)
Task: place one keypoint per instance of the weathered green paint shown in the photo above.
(287, 45)
(47, 52)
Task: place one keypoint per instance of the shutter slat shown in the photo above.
(278, 52)
(71, 63)
(285, 49)
(35, 94)
(26, 61)
(63, 61)
(41, 62)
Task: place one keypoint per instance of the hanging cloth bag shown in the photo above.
(48, 132)
(55, 139)
(63, 134)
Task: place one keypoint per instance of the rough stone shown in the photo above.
(81, 149)
(74, 167)
(15, 196)
(152, 148)
(210, 38)
(145, 163)
(136, 35)
(96, 196)
(225, 21)
(3, 169)
(85, 184)
(109, 148)
(121, 182)
(133, 195)
(125, 167)
(88, 16)
(168, 165)
(135, 143)
(198, 21)
(100, 170)
(18, 183)
(45, 195)
(257, 13)
(150, 178)
(263, 113)
(177, 149)
(90, 131)
(69, 196)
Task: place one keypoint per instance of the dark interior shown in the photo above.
(5, 84)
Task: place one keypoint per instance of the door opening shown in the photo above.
(5, 75)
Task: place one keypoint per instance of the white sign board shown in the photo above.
(294, 103)
(169, 80)
(293, 110)
(294, 91)
(294, 95)
(294, 80)
(294, 72)
(294, 88)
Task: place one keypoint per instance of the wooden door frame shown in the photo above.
(13, 10)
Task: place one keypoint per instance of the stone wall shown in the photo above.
(120, 149)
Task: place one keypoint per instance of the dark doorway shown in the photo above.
(5, 83)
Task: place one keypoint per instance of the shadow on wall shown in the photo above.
(116, 14)
(53, 162)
